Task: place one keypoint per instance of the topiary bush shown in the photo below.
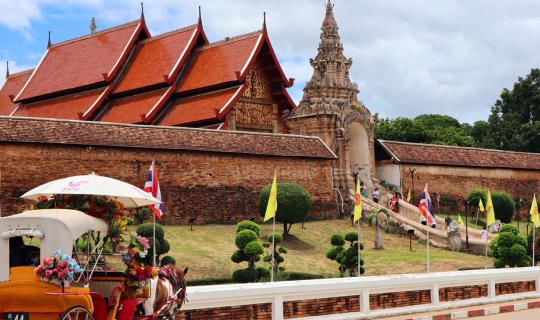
(504, 206)
(249, 250)
(294, 204)
(278, 258)
(509, 248)
(167, 260)
(249, 225)
(162, 245)
(347, 258)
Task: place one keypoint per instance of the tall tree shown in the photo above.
(514, 121)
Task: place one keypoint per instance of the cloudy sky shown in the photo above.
(410, 57)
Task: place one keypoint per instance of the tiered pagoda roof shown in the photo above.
(123, 75)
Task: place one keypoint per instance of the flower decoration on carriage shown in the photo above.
(58, 266)
(138, 274)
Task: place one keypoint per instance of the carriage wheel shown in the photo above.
(76, 313)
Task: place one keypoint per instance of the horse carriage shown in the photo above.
(84, 287)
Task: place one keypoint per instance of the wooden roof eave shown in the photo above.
(241, 75)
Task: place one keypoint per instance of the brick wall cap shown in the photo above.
(90, 133)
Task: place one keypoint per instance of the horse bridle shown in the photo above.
(179, 288)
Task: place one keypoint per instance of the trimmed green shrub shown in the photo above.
(294, 204)
(249, 225)
(244, 237)
(164, 247)
(509, 248)
(474, 197)
(168, 260)
(208, 281)
(504, 206)
(277, 238)
(146, 230)
(263, 272)
(278, 258)
(249, 250)
(302, 276)
(337, 240)
(351, 236)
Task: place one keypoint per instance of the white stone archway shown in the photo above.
(360, 153)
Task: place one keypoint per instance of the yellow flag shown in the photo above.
(409, 196)
(357, 203)
(481, 205)
(490, 211)
(272, 201)
(460, 221)
(534, 212)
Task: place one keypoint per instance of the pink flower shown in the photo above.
(59, 269)
(46, 261)
(66, 271)
(48, 273)
(144, 242)
(120, 247)
(60, 274)
(131, 252)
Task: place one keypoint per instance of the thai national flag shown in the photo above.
(426, 208)
(152, 187)
(438, 197)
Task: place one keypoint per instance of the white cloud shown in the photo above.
(410, 57)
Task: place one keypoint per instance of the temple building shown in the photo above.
(125, 75)
(331, 110)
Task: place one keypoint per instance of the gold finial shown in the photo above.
(142, 12)
(49, 44)
(200, 20)
(7, 69)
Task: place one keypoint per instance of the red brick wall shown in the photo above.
(250, 312)
(319, 307)
(462, 293)
(208, 186)
(514, 287)
(456, 182)
(399, 299)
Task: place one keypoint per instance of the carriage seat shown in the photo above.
(108, 274)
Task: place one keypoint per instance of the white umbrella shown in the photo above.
(93, 184)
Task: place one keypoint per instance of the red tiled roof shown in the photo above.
(199, 108)
(129, 109)
(81, 62)
(85, 133)
(405, 152)
(13, 85)
(217, 63)
(154, 58)
(65, 107)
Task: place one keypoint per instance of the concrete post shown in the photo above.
(491, 289)
(364, 301)
(277, 308)
(435, 294)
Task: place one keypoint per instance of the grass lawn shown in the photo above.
(207, 251)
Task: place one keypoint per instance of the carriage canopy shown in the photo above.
(56, 229)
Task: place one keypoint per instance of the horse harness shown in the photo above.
(179, 296)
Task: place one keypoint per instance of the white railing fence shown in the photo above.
(277, 293)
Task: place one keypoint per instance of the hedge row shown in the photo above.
(212, 281)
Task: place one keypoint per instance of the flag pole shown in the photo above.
(534, 233)
(273, 248)
(486, 246)
(154, 224)
(476, 222)
(428, 226)
(358, 222)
